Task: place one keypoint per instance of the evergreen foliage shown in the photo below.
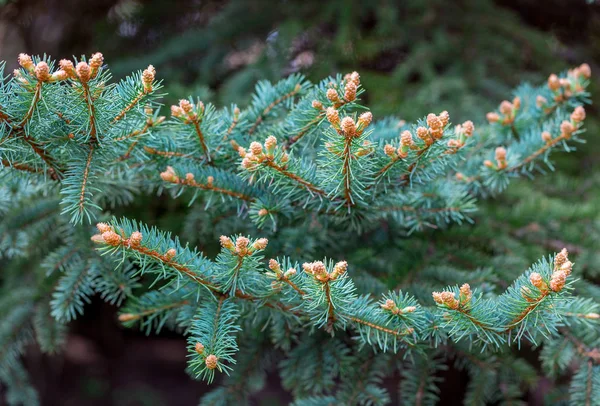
(305, 165)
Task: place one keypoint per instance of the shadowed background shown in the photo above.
(414, 57)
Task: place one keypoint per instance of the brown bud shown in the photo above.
(364, 120)
(389, 150)
(226, 242)
(437, 297)
(434, 121)
(67, 66)
(561, 258)
(406, 138)
(274, 265)
(199, 348)
(566, 128)
(517, 103)
(211, 361)
(488, 163)
(135, 238)
(444, 118)
(111, 238)
(83, 72)
(260, 244)
(241, 244)
(540, 101)
(492, 117)
(333, 116)
(578, 114)
(348, 126)
(263, 212)
(506, 107)
(423, 133)
(350, 91)
(270, 143)
(42, 71)
(96, 63)
(103, 227)
(148, 77)
(546, 136)
(537, 281)
(317, 105)
(585, 70)
(553, 82)
(339, 269)
(124, 317)
(256, 148)
(557, 282)
(185, 105)
(468, 128)
(170, 254)
(59, 75)
(332, 95)
(26, 62)
(500, 154)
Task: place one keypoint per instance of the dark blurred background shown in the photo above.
(414, 57)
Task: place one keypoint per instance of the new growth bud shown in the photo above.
(211, 361)
(260, 244)
(226, 242)
(348, 127)
(83, 72)
(42, 72)
(148, 77)
(26, 62)
(96, 63)
(333, 116)
(135, 238)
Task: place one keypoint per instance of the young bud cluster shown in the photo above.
(241, 246)
(257, 155)
(575, 82)
(447, 299)
(462, 132)
(318, 270)
(390, 306)
(187, 110)
(507, 110)
(169, 175)
(562, 269)
(41, 70)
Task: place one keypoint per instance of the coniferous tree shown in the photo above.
(306, 166)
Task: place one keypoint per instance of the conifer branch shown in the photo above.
(169, 154)
(86, 172)
(169, 176)
(36, 97)
(271, 106)
(41, 152)
(136, 316)
(131, 105)
(87, 96)
(20, 167)
(302, 182)
(201, 138)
